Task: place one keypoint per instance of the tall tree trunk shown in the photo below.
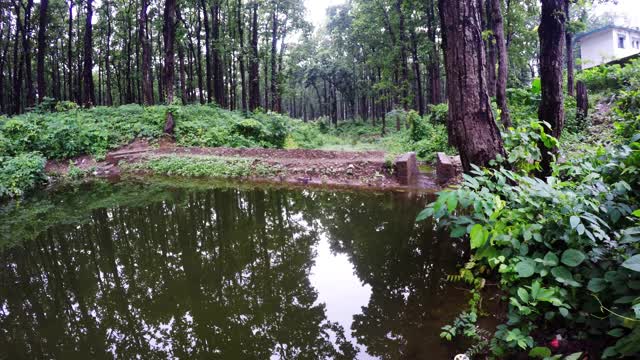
(433, 68)
(552, 36)
(404, 71)
(198, 55)
(147, 80)
(183, 75)
(26, 45)
(569, 44)
(417, 72)
(582, 101)
(254, 62)
(42, 48)
(218, 71)
(3, 61)
(207, 51)
(243, 85)
(16, 94)
(107, 58)
(169, 32)
(88, 93)
(274, 53)
(491, 48)
(471, 125)
(503, 63)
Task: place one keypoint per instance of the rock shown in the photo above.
(407, 168)
(447, 167)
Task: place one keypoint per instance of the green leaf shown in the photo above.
(458, 231)
(572, 258)
(452, 202)
(424, 214)
(540, 352)
(551, 259)
(633, 263)
(574, 356)
(617, 332)
(575, 221)
(477, 236)
(525, 268)
(564, 312)
(524, 295)
(596, 285)
(563, 275)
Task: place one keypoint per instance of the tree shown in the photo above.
(169, 33)
(254, 64)
(471, 125)
(42, 48)
(551, 110)
(88, 93)
(503, 62)
(147, 79)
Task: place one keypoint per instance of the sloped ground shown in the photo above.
(367, 169)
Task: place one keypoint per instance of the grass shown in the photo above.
(204, 166)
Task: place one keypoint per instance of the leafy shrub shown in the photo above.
(565, 249)
(612, 78)
(20, 173)
(438, 113)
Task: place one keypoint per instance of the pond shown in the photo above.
(157, 270)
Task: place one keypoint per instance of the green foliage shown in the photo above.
(566, 249)
(20, 173)
(612, 78)
(437, 114)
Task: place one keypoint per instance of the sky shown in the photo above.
(628, 8)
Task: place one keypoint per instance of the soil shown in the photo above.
(313, 168)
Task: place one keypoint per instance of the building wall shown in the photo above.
(602, 47)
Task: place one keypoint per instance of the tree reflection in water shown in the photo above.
(162, 272)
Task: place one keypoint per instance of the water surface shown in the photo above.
(157, 271)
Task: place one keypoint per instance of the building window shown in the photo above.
(635, 43)
(621, 41)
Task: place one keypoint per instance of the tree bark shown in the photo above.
(404, 71)
(569, 44)
(471, 125)
(417, 72)
(503, 63)
(26, 49)
(42, 48)
(254, 64)
(107, 59)
(218, 71)
(433, 68)
(88, 93)
(243, 84)
(274, 53)
(16, 94)
(207, 51)
(552, 36)
(491, 48)
(147, 80)
(169, 34)
(582, 100)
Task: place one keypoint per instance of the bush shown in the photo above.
(20, 173)
(565, 249)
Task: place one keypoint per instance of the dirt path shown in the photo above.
(296, 167)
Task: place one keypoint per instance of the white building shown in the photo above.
(607, 44)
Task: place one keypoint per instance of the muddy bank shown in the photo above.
(302, 167)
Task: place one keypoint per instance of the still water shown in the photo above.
(162, 271)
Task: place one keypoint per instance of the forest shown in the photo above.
(543, 210)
